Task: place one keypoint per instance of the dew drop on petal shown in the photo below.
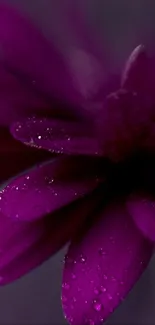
(79, 289)
(101, 252)
(64, 299)
(82, 259)
(109, 297)
(99, 268)
(97, 305)
(66, 286)
(103, 289)
(73, 276)
(89, 322)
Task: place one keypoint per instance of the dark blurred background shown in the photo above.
(35, 299)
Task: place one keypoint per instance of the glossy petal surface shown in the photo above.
(45, 189)
(102, 266)
(57, 136)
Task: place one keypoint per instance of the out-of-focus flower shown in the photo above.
(98, 192)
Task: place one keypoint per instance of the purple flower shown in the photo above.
(98, 191)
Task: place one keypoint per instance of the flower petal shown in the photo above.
(57, 136)
(102, 267)
(87, 55)
(20, 156)
(139, 73)
(27, 52)
(24, 245)
(45, 189)
(76, 79)
(17, 99)
(142, 210)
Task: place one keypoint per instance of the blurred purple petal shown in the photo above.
(57, 136)
(24, 245)
(45, 189)
(17, 99)
(139, 74)
(102, 267)
(28, 54)
(76, 80)
(142, 210)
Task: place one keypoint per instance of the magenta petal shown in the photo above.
(142, 210)
(139, 74)
(24, 245)
(17, 99)
(102, 267)
(57, 136)
(27, 52)
(43, 190)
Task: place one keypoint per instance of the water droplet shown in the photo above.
(101, 252)
(73, 276)
(103, 289)
(39, 137)
(97, 305)
(66, 286)
(113, 278)
(70, 319)
(90, 322)
(109, 297)
(17, 188)
(86, 301)
(64, 299)
(105, 277)
(51, 181)
(74, 299)
(82, 259)
(68, 139)
(27, 177)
